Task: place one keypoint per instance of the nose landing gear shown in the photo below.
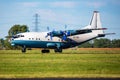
(24, 49)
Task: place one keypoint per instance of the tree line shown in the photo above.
(96, 43)
(101, 43)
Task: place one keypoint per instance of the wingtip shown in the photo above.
(103, 28)
(110, 33)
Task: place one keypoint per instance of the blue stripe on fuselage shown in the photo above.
(39, 44)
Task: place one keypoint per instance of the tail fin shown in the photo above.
(96, 22)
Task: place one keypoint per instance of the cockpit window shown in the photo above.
(18, 36)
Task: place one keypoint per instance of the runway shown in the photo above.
(61, 79)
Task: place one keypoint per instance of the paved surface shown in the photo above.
(61, 79)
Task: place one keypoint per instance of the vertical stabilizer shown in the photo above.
(96, 22)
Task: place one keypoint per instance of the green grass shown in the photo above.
(71, 63)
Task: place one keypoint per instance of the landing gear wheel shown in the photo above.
(23, 49)
(45, 51)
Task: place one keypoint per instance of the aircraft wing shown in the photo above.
(66, 33)
(82, 31)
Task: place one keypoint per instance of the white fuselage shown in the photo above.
(40, 38)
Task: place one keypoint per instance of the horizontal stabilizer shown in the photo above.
(102, 35)
(109, 33)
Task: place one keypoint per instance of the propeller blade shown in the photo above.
(48, 28)
(50, 37)
(49, 34)
(64, 37)
(65, 26)
(68, 33)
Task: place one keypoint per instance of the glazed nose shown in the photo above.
(12, 43)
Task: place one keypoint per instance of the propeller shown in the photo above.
(62, 34)
(65, 35)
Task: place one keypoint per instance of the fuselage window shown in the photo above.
(39, 38)
(29, 38)
(22, 35)
(32, 38)
(58, 39)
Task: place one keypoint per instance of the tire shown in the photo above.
(23, 49)
(45, 51)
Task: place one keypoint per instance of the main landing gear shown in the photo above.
(45, 51)
(48, 51)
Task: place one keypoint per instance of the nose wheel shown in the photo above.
(24, 49)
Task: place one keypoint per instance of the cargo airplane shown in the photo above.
(61, 39)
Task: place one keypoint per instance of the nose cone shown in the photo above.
(12, 43)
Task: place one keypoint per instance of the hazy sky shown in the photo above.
(58, 13)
